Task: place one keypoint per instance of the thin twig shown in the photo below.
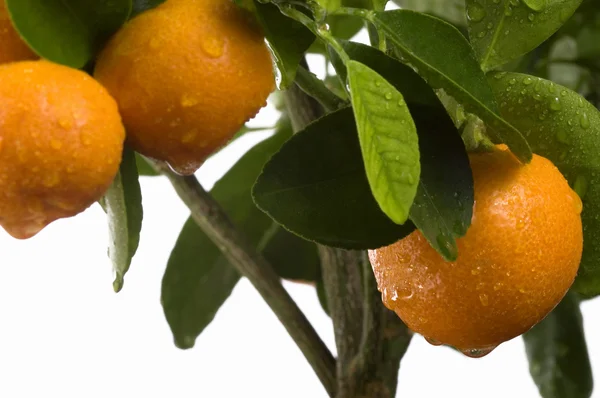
(211, 218)
(315, 87)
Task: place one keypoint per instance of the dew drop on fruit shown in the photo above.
(478, 352)
(432, 341)
(475, 12)
(483, 298)
(213, 46)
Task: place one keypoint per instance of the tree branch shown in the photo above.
(314, 87)
(218, 227)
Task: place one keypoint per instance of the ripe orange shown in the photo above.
(61, 140)
(515, 263)
(12, 47)
(187, 75)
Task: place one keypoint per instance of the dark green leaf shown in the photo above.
(316, 187)
(293, 258)
(288, 40)
(501, 31)
(558, 355)
(443, 206)
(403, 78)
(68, 32)
(388, 140)
(563, 127)
(123, 205)
(198, 279)
(140, 6)
(445, 58)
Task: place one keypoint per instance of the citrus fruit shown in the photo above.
(61, 141)
(186, 75)
(515, 263)
(12, 47)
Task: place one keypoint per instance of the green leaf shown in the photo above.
(558, 357)
(445, 58)
(123, 205)
(293, 258)
(68, 32)
(343, 26)
(198, 278)
(452, 11)
(388, 140)
(563, 127)
(402, 77)
(443, 206)
(287, 38)
(144, 168)
(140, 6)
(316, 187)
(501, 31)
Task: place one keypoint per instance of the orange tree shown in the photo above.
(395, 154)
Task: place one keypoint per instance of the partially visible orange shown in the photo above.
(61, 141)
(515, 264)
(187, 75)
(12, 47)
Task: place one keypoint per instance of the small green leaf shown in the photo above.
(68, 32)
(444, 57)
(198, 278)
(563, 127)
(558, 357)
(501, 31)
(288, 40)
(316, 187)
(123, 205)
(388, 140)
(140, 6)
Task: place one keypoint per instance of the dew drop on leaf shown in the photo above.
(555, 104)
(388, 96)
(535, 5)
(584, 121)
(475, 12)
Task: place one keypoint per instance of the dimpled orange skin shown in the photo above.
(61, 141)
(187, 75)
(12, 47)
(515, 264)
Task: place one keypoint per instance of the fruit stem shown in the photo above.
(212, 219)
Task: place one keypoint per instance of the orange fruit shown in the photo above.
(12, 47)
(515, 263)
(61, 140)
(187, 75)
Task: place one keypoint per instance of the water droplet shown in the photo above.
(378, 83)
(562, 136)
(476, 271)
(56, 144)
(477, 352)
(508, 12)
(189, 136)
(189, 100)
(537, 97)
(522, 290)
(490, 26)
(555, 104)
(388, 96)
(401, 104)
(433, 341)
(580, 186)
(475, 12)
(213, 46)
(506, 32)
(581, 103)
(512, 81)
(481, 34)
(584, 121)
(527, 81)
(499, 75)
(446, 245)
(498, 286)
(563, 93)
(535, 5)
(531, 17)
(484, 299)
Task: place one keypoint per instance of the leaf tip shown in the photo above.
(118, 283)
(185, 342)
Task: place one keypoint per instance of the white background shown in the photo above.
(64, 333)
